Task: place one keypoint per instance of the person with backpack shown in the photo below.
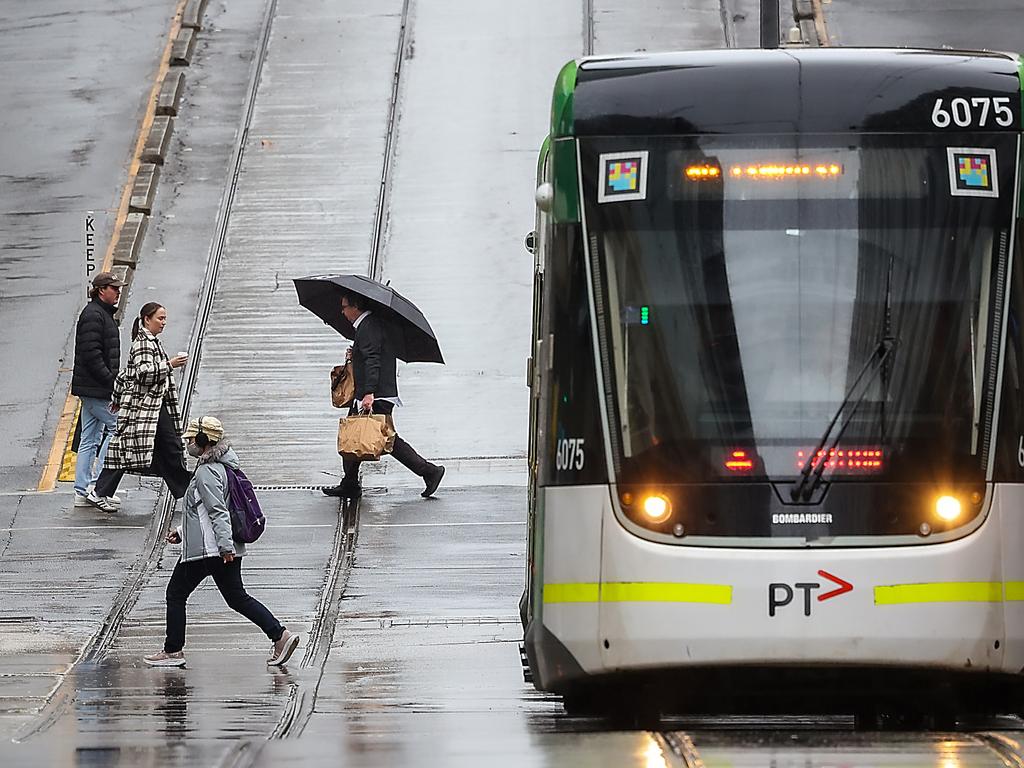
(212, 537)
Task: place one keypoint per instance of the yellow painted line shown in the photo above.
(940, 592)
(571, 593)
(65, 425)
(638, 592)
(665, 592)
(1013, 590)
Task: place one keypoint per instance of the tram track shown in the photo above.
(62, 694)
(302, 697)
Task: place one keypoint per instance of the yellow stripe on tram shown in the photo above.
(941, 592)
(665, 592)
(1013, 590)
(638, 592)
(571, 593)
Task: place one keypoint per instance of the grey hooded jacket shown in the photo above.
(206, 507)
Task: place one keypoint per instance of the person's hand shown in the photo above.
(173, 538)
(229, 557)
(367, 403)
(178, 361)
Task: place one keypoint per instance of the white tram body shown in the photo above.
(735, 253)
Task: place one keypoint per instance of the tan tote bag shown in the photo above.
(365, 437)
(343, 386)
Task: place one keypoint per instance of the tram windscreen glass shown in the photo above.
(746, 282)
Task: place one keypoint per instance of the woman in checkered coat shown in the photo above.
(148, 435)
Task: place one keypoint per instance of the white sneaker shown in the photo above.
(115, 499)
(82, 499)
(100, 502)
(283, 649)
(164, 659)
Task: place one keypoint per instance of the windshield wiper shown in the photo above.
(813, 469)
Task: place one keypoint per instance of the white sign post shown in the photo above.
(89, 241)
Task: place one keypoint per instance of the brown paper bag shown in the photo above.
(343, 386)
(365, 437)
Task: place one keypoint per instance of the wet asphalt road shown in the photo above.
(422, 664)
(73, 82)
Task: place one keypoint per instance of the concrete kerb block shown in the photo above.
(158, 140)
(171, 90)
(144, 189)
(193, 15)
(802, 9)
(126, 275)
(129, 244)
(183, 48)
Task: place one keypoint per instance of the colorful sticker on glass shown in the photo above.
(972, 172)
(623, 177)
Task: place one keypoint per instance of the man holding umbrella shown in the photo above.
(384, 326)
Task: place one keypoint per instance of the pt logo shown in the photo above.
(781, 594)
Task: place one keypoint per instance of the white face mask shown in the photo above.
(194, 450)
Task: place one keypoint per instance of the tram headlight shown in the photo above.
(948, 508)
(656, 508)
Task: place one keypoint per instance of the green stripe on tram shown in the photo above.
(638, 592)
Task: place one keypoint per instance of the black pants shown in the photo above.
(168, 461)
(228, 578)
(402, 451)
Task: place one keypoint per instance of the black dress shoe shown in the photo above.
(432, 479)
(344, 491)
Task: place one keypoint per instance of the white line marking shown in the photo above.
(77, 528)
(433, 525)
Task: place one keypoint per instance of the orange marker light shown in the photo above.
(785, 171)
(703, 172)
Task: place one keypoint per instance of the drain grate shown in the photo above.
(289, 487)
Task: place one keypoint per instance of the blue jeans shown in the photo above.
(97, 428)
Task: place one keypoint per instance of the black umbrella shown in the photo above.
(408, 330)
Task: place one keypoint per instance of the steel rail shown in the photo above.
(381, 218)
(681, 745)
(127, 596)
(302, 701)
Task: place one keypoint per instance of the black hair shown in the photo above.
(148, 310)
(355, 300)
(202, 440)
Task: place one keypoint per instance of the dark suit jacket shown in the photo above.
(373, 361)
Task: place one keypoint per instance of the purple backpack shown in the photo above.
(247, 520)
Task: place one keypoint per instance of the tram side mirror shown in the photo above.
(531, 242)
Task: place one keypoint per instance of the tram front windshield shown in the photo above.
(747, 286)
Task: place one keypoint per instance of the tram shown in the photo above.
(778, 335)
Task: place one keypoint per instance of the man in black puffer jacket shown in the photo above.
(97, 360)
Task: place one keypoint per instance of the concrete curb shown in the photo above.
(127, 276)
(126, 252)
(144, 189)
(158, 140)
(184, 47)
(169, 98)
(193, 15)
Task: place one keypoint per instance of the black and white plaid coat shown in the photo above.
(140, 389)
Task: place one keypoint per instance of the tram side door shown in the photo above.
(538, 247)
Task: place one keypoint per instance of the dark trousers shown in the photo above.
(168, 461)
(228, 578)
(402, 451)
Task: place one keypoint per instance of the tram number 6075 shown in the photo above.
(972, 112)
(569, 454)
